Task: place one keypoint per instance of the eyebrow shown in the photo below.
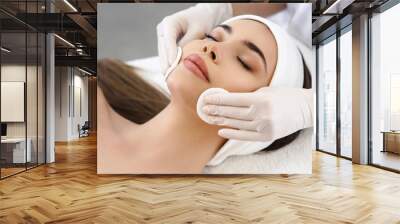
(248, 44)
(227, 28)
(254, 48)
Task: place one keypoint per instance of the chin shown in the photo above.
(185, 88)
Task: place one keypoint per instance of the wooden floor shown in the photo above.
(69, 191)
(10, 171)
(387, 159)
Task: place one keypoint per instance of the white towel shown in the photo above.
(294, 158)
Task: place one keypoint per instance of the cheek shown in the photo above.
(234, 80)
(185, 88)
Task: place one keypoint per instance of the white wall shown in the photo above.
(12, 100)
(79, 103)
(130, 44)
(16, 73)
(33, 126)
(69, 82)
(62, 80)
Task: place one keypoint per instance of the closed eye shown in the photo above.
(245, 66)
(210, 37)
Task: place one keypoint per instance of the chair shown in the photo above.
(84, 130)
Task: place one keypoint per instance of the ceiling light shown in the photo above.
(65, 41)
(84, 71)
(71, 6)
(79, 51)
(337, 7)
(5, 50)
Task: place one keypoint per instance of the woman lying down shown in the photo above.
(143, 131)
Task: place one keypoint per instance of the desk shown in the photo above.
(391, 141)
(17, 152)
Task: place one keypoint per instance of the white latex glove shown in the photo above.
(267, 114)
(187, 25)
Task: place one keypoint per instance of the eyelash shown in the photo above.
(210, 37)
(245, 66)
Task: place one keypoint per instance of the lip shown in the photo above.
(197, 66)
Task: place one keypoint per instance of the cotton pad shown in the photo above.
(201, 103)
(177, 59)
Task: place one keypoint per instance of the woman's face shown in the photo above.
(239, 57)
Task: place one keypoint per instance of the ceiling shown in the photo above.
(331, 16)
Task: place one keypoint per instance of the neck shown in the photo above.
(183, 135)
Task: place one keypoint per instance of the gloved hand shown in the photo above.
(187, 25)
(267, 114)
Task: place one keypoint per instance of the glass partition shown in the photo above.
(13, 105)
(41, 107)
(32, 87)
(31, 99)
(22, 77)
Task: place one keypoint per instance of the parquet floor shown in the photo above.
(70, 191)
(10, 171)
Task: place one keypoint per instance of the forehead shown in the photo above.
(259, 34)
(251, 30)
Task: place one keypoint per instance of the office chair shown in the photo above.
(84, 130)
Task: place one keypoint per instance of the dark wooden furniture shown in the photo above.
(391, 141)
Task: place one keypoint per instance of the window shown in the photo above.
(385, 89)
(346, 93)
(327, 97)
(395, 102)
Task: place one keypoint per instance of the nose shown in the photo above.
(212, 52)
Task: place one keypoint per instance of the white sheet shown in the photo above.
(295, 158)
